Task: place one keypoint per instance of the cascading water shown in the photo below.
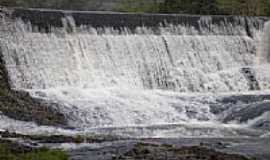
(263, 52)
(173, 81)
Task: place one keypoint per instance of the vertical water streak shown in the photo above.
(264, 48)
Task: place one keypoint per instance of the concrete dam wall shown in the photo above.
(45, 19)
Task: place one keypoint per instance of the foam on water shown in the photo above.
(125, 107)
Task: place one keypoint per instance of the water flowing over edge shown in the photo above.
(106, 78)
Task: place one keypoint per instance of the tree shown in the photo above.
(205, 7)
(228, 7)
(244, 7)
(139, 6)
(190, 6)
(267, 8)
(8, 3)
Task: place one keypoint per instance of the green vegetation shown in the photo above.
(221, 7)
(227, 7)
(9, 152)
(150, 6)
(245, 7)
(56, 4)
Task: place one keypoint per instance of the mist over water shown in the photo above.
(174, 77)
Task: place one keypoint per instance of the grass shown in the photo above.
(7, 152)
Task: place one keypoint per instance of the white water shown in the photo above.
(126, 80)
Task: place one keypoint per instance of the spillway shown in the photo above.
(141, 74)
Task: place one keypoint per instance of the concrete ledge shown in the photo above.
(44, 18)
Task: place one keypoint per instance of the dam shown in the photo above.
(143, 75)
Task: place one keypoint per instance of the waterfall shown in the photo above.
(110, 77)
(264, 50)
(183, 63)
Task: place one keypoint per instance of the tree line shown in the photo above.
(53, 4)
(213, 7)
(221, 7)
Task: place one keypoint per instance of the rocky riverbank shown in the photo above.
(176, 149)
(102, 148)
(107, 147)
(150, 151)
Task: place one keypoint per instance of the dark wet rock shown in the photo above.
(245, 99)
(20, 105)
(157, 148)
(16, 147)
(262, 124)
(238, 107)
(149, 151)
(61, 138)
(11, 150)
(250, 75)
(216, 145)
(249, 112)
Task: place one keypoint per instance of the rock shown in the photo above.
(148, 151)
(60, 138)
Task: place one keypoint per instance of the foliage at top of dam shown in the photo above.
(216, 7)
